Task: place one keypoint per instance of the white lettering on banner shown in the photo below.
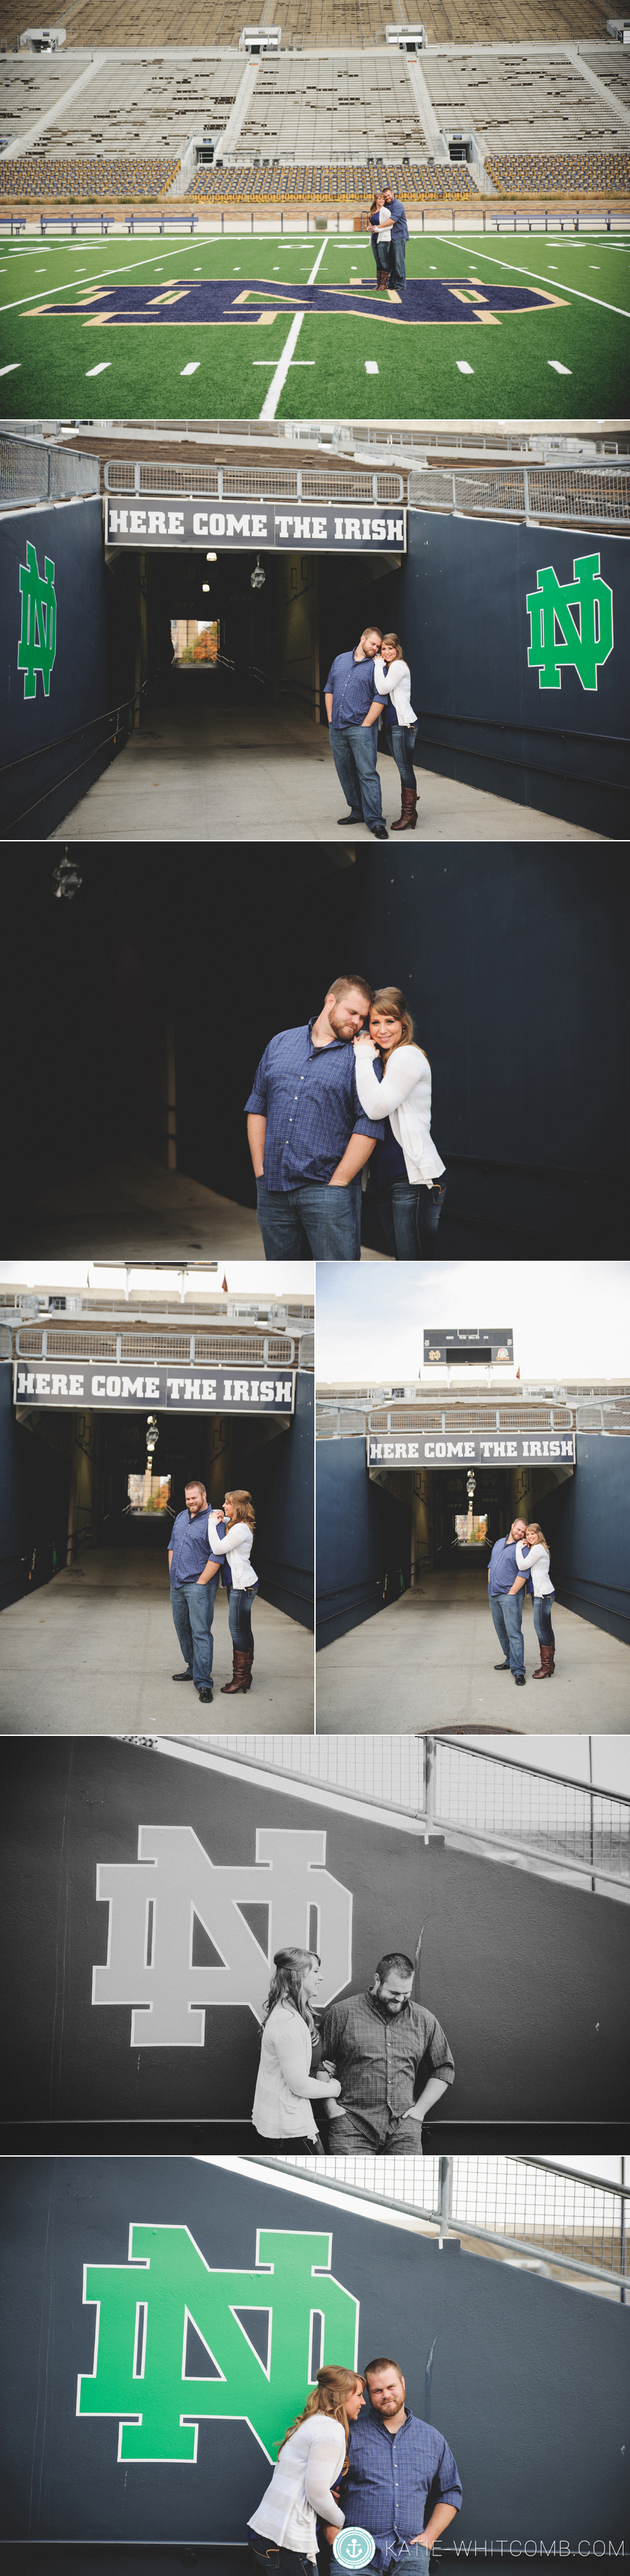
(319, 528)
(42, 1383)
(395, 531)
(301, 527)
(200, 523)
(367, 528)
(227, 1390)
(138, 523)
(378, 529)
(76, 1385)
(338, 532)
(112, 1386)
(266, 1390)
(59, 1386)
(283, 1390)
(175, 1873)
(283, 525)
(216, 524)
(132, 1386)
(175, 523)
(353, 530)
(157, 523)
(152, 1389)
(241, 1390)
(238, 527)
(208, 1390)
(259, 526)
(118, 522)
(98, 1386)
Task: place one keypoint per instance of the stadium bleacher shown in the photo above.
(328, 105)
(581, 174)
(30, 175)
(512, 98)
(335, 185)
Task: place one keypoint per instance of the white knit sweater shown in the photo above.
(308, 2466)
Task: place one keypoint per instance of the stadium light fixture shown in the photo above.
(211, 558)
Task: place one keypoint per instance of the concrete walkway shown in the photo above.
(266, 774)
(137, 1211)
(93, 1653)
(428, 1662)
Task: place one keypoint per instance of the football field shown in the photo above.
(526, 326)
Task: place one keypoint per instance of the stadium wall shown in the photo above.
(52, 771)
(363, 1539)
(526, 1976)
(511, 2369)
(587, 1521)
(484, 720)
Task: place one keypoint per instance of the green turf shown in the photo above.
(418, 374)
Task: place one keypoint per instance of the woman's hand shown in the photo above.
(335, 2109)
(331, 2530)
(328, 2084)
(364, 1039)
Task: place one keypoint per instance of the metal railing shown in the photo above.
(607, 1416)
(246, 482)
(492, 1799)
(598, 495)
(30, 470)
(333, 1420)
(489, 1799)
(256, 1350)
(556, 2220)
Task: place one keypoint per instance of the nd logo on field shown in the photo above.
(571, 624)
(255, 2327)
(38, 639)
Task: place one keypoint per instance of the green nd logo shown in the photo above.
(571, 624)
(143, 2372)
(38, 640)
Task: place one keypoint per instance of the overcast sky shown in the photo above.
(244, 1278)
(568, 1317)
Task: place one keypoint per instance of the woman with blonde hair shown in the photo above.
(291, 2054)
(392, 679)
(409, 1174)
(282, 2534)
(532, 1557)
(379, 224)
(242, 1583)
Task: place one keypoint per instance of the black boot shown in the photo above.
(379, 831)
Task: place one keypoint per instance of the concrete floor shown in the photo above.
(137, 1211)
(427, 1661)
(254, 775)
(93, 1653)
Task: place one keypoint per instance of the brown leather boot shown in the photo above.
(545, 1667)
(408, 816)
(241, 1675)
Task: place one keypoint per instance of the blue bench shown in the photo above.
(186, 223)
(102, 223)
(17, 222)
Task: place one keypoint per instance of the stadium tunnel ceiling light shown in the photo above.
(211, 559)
(257, 577)
(66, 879)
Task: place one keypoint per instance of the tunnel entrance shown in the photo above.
(244, 630)
(88, 1485)
(453, 1529)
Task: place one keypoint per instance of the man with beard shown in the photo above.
(401, 2482)
(308, 1137)
(377, 2043)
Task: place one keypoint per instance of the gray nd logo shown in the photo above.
(38, 639)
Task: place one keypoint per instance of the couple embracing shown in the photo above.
(371, 682)
(327, 1097)
(203, 1547)
(357, 2456)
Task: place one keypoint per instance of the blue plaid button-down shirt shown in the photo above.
(353, 688)
(309, 1098)
(387, 2482)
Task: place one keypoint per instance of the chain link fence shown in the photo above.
(32, 471)
(556, 2221)
(251, 483)
(597, 495)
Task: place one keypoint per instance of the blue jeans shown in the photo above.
(507, 1613)
(240, 1616)
(354, 749)
(402, 738)
(265, 2553)
(410, 1215)
(398, 274)
(313, 1218)
(192, 1605)
(543, 1607)
(381, 256)
(413, 2556)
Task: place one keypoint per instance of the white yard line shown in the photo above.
(537, 273)
(278, 381)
